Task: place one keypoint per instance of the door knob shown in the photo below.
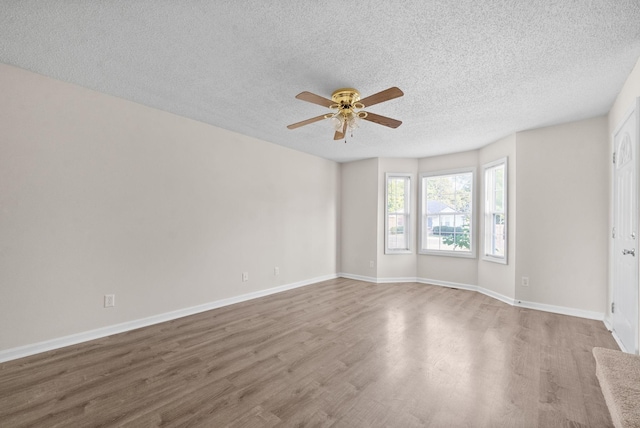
(631, 251)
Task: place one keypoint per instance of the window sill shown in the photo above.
(498, 260)
(470, 255)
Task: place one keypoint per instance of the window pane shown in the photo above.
(495, 207)
(498, 234)
(397, 213)
(395, 195)
(447, 205)
(463, 182)
(397, 238)
(498, 204)
(497, 173)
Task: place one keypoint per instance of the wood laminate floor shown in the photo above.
(340, 353)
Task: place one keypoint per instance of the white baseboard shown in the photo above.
(396, 280)
(497, 296)
(448, 284)
(485, 291)
(563, 310)
(608, 322)
(580, 313)
(618, 341)
(74, 339)
(377, 280)
(358, 277)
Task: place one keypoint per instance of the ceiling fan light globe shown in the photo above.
(336, 123)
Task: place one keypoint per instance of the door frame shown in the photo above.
(634, 109)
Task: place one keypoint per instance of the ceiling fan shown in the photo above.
(347, 109)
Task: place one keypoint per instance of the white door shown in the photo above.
(626, 250)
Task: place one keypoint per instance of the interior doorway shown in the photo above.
(626, 251)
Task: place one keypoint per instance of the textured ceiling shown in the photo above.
(472, 71)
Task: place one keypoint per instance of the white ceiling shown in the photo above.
(472, 71)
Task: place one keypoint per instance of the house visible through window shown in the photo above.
(495, 205)
(397, 224)
(447, 213)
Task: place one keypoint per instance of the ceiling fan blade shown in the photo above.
(382, 120)
(315, 99)
(306, 122)
(340, 135)
(386, 95)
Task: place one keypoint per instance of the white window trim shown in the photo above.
(407, 226)
(468, 255)
(485, 167)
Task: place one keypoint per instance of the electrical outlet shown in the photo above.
(276, 271)
(525, 281)
(371, 263)
(109, 300)
(245, 276)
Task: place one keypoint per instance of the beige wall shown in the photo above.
(359, 219)
(625, 99)
(100, 195)
(562, 211)
(496, 277)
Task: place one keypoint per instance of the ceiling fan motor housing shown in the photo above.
(348, 96)
(346, 100)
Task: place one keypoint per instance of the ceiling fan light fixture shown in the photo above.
(353, 121)
(336, 122)
(348, 114)
(347, 109)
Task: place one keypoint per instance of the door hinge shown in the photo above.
(614, 157)
(613, 232)
(613, 307)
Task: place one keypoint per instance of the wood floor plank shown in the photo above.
(340, 353)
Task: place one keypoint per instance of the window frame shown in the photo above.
(488, 215)
(407, 212)
(471, 254)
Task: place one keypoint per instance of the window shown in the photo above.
(397, 222)
(446, 226)
(495, 206)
